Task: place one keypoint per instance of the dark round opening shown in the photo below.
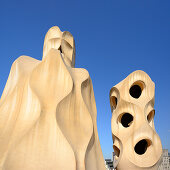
(135, 91)
(141, 147)
(126, 119)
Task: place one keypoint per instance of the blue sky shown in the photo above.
(113, 38)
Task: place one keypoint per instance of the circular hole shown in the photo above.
(113, 101)
(135, 91)
(141, 147)
(126, 119)
(151, 115)
(116, 150)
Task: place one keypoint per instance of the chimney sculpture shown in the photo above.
(48, 112)
(135, 141)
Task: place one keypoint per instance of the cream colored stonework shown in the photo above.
(48, 112)
(135, 141)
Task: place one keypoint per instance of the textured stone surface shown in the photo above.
(135, 141)
(48, 112)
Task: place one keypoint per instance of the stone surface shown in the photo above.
(48, 112)
(135, 141)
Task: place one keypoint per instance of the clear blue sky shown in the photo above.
(113, 38)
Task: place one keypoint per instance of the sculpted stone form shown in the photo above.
(48, 112)
(135, 141)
